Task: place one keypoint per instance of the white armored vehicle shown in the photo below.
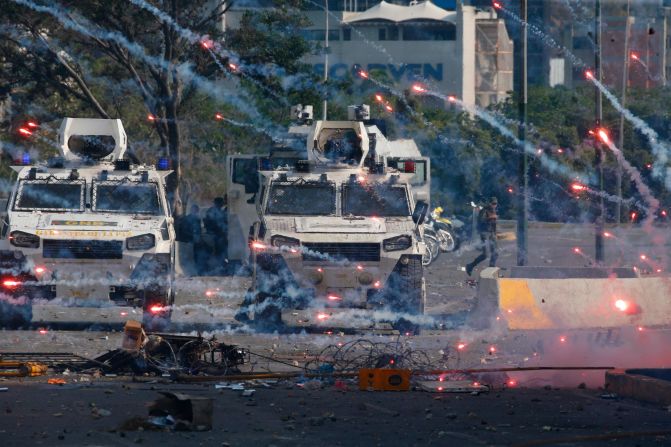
(88, 235)
(338, 230)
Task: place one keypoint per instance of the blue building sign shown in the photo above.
(398, 72)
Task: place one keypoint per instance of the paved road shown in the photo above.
(92, 413)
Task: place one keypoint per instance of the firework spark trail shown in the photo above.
(549, 41)
(183, 70)
(635, 175)
(551, 165)
(193, 37)
(660, 151)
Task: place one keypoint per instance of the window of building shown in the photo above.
(347, 34)
(320, 34)
(430, 32)
(382, 34)
(392, 33)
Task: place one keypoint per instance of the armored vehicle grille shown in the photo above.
(325, 251)
(82, 249)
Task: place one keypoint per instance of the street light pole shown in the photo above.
(598, 227)
(326, 56)
(521, 132)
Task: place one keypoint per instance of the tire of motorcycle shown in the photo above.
(432, 249)
(448, 240)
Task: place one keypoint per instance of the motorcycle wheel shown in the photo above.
(432, 249)
(447, 240)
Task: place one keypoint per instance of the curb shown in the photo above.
(641, 384)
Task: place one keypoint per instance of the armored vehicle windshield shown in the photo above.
(374, 199)
(304, 198)
(126, 197)
(50, 195)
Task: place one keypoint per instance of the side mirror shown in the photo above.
(420, 212)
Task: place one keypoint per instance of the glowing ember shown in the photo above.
(512, 382)
(496, 5)
(40, 270)
(562, 339)
(232, 66)
(452, 98)
(322, 316)
(649, 165)
(25, 132)
(643, 257)
(634, 56)
(589, 75)
(42, 331)
(10, 283)
(389, 108)
(209, 293)
(560, 150)
(419, 88)
(377, 284)
(577, 250)
(510, 189)
(320, 270)
(578, 187)
(258, 245)
(363, 74)
(32, 124)
(640, 329)
(379, 98)
(461, 346)
(663, 213)
(333, 297)
(206, 44)
(151, 117)
(492, 349)
(604, 136)
(359, 267)
(156, 308)
(622, 305)
(607, 234)
(218, 116)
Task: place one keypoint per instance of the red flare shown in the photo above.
(232, 66)
(32, 124)
(577, 250)
(156, 308)
(634, 56)
(578, 187)
(151, 117)
(461, 346)
(589, 75)
(218, 116)
(419, 88)
(604, 136)
(452, 98)
(622, 305)
(389, 108)
(363, 74)
(25, 132)
(496, 5)
(322, 316)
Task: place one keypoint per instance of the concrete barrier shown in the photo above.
(571, 300)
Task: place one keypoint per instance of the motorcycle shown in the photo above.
(446, 230)
(432, 244)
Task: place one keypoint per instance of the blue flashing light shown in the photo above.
(163, 164)
(266, 164)
(25, 159)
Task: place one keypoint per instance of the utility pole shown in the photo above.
(598, 227)
(623, 100)
(326, 56)
(521, 133)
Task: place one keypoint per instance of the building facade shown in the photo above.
(465, 52)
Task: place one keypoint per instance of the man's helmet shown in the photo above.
(438, 211)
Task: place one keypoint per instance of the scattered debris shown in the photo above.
(182, 412)
(384, 379)
(21, 369)
(56, 381)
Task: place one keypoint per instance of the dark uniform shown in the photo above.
(487, 229)
(216, 226)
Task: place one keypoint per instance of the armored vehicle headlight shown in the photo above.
(21, 239)
(141, 242)
(283, 241)
(397, 243)
(365, 278)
